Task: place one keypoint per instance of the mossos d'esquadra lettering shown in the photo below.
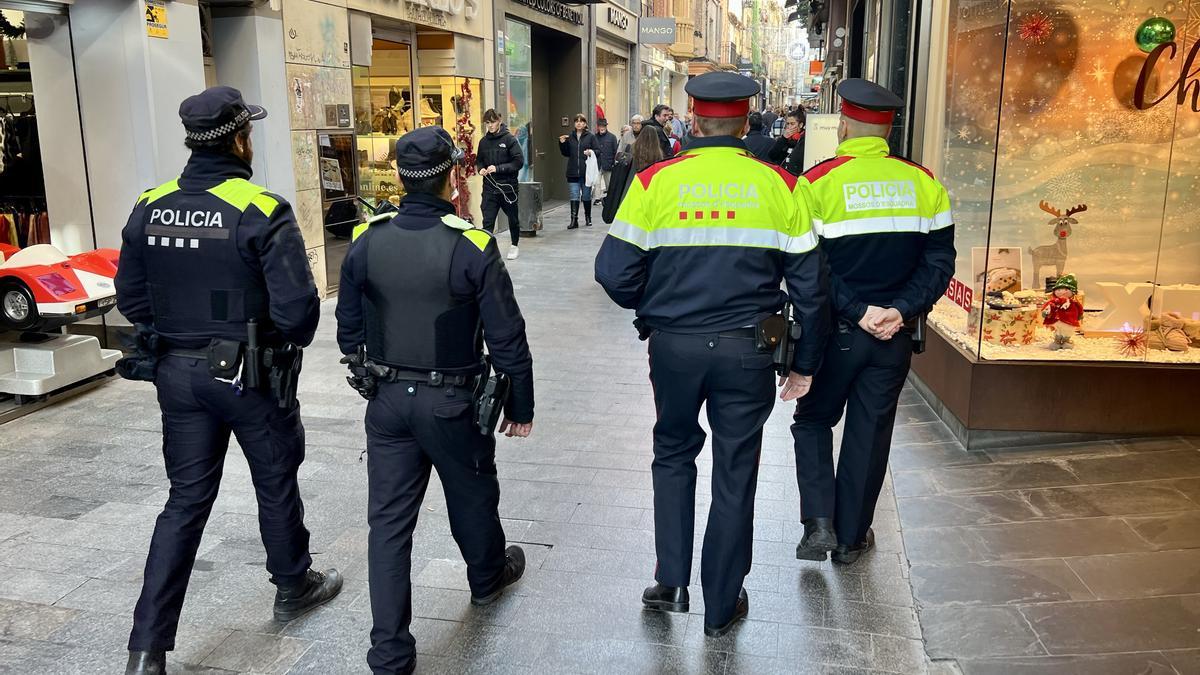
(180, 218)
(884, 194)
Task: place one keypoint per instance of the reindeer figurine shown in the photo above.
(1055, 254)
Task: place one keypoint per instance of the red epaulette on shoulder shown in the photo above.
(822, 169)
(912, 164)
(646, 174)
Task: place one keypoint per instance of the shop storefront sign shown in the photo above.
(615, 21)
(456, 16)
(555, 9)
(616, 17)
(656, 30)
(961, 294)
(1184, 83)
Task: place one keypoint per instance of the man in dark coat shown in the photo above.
(755, 141)
(606, 155)
(661, 120)
(499, 160)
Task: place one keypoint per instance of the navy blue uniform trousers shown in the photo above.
(198, 415)
(863, 376)
(736, 384)
(410, 428)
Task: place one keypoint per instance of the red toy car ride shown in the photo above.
(41, 288)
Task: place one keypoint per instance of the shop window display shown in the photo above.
(1071, 156)
(384, 111)
(518, 61)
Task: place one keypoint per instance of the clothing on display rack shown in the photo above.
(20, 151)
(23, 221)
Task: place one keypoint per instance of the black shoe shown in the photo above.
(317, 589)
(819, 539)
(574, 216)
(146, 663)
(514, 568)
(587, 214)
(666, 598)
(740, 610)
(848, 555)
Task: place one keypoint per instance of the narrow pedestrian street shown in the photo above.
(83, 482)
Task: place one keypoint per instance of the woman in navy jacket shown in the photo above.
(576, 147)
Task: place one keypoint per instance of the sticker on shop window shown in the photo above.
(880, 195)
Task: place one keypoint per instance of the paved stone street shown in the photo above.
(83, 481)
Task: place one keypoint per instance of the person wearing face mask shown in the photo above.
(577, 147)
(499, 161)
(788, 151)
(196, 295)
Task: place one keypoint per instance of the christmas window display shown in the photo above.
(1072, 156)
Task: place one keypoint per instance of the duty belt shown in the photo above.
(434, 379)
(188, 353)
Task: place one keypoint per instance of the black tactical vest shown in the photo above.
(413, 322)
(200, 285)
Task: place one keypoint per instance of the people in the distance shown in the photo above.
(645, 151)
(420, 295)
(606, 156)
(755, 141)
(197, 295)
(577, 146)
(499, 161)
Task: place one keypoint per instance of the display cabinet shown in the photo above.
(1069, 138)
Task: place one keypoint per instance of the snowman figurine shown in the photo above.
(1063, 312)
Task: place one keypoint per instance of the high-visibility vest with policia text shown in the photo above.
(874, 213)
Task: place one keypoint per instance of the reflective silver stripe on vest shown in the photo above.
(713, 236)
(884, 225)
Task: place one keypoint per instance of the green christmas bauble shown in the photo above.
(1154, 32)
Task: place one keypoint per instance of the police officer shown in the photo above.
(886, 229)
(203, 255)
(422, 292)
(699, 248)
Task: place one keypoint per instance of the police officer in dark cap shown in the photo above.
(700, 247)
(213, 274)
(886, 228)
(420, 294)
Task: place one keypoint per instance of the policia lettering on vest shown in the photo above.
(214, 277)
(886, 229)
(420, 295)
(699, 249)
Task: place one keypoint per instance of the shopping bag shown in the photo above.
(593, 171)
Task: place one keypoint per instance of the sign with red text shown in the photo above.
(961, 294)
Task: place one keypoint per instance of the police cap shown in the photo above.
(425, 153)
(216, 112)
(868, 102)
(721, 94)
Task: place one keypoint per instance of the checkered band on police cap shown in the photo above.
(424, 173)
(221, 131)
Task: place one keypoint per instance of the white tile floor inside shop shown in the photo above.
(82, 482)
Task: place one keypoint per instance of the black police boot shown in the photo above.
(740, 610)
(848, 555)
(587, 213)
(316, 589)
(514, 569)
(666, 598)
(146, 663)
(819, 539)
(574, 216)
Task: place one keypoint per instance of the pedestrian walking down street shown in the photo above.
(699, 249)
(788, 150)
(198, 306)
(606, 155)
(629, 134)
(645, 151)
(420, 294)
(499, 161)
(660, 121)
(755, 141)
(577, 147)
(768, 118)
(886, 227)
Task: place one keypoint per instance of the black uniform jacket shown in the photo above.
(271, 245)
(474, 274)
(502, 151)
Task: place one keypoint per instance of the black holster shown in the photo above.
(916, 328)
(145, 350)
(282, 365)
(491, 394)
(778, 334)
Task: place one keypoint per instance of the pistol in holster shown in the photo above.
(777, 335)
(916, 328)
(491, 393)
(248, 365)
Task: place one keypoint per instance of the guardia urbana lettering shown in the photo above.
(180, 218)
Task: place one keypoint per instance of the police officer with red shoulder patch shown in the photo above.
(886, 229)
(699, 249)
